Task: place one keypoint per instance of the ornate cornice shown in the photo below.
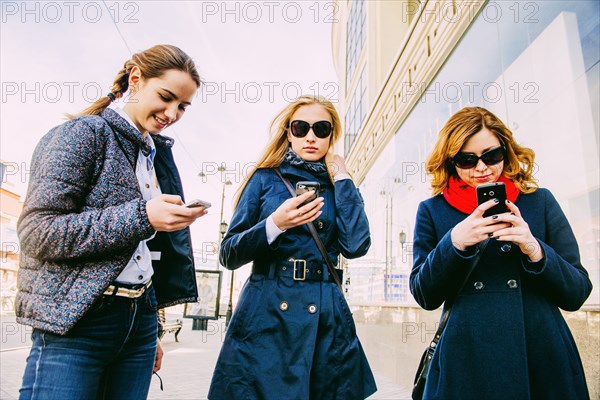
(436, 29)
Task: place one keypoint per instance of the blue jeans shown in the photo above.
(109, 353)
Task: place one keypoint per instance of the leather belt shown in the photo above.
(125, 292)
(298, 270)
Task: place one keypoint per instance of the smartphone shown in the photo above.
(307, 186)
(198, 203)
(495, 190)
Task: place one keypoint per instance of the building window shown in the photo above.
(355, 38)
(357, 111)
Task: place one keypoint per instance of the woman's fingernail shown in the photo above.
(495, 217)
(508, 201)
(496, 201)
(490, 234)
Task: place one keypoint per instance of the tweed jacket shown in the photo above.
(505, 338)
(83, 218)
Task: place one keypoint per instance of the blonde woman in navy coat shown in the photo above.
(294, 338)
(506, 337)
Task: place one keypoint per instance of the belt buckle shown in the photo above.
(303, 278)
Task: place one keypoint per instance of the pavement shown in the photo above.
(186, 370)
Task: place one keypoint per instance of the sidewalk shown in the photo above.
(186, 370)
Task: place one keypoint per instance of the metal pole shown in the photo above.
(387, 243)
(230, 305)
(221, 222)
(221, 233)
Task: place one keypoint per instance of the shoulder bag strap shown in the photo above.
(315, 235)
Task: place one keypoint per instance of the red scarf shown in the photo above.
(463, 197)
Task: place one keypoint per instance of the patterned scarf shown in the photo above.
(315, 167)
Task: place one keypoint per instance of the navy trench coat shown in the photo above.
(292, 339)
(506, 338)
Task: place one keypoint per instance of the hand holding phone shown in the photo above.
(307, 186)
(166, 215)
(494, 190)
(198, 203)
(291, 214)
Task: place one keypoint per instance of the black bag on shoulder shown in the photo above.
(425, 363)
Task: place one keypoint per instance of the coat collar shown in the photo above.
(124, 128)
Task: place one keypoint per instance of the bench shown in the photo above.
(168, 327)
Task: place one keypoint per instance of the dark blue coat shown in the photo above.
(506, 338)
(306, 348)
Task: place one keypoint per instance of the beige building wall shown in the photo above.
(387, 26)
(407, 42)
(11, 206)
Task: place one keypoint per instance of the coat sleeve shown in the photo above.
(354, 235)
(563, 278)
(52, 225)
(438, 268)
(246, 238)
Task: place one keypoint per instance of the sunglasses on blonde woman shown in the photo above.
(469, 160)
(299, 128)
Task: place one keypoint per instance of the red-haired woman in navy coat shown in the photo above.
(506, 337)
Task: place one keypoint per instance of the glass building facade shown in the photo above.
(536, 66)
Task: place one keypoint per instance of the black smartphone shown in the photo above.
(494, 190)
(198, 203)
(307, 186)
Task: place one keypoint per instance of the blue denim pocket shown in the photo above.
(149, 300)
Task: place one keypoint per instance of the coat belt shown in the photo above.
(297, 269)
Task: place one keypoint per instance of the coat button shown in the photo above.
(283, 306)
(147, 186)
(512, 284)
(320, 225)
(506, 247)
(283, 268)
(138, 258)
(318, 272)
(312, 308)
(479, 285)
(140, 277)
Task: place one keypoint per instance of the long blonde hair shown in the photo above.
(276, 149)
(519, 162)
(152, 63)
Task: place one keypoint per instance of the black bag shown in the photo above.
(422, 371)
(425, 363)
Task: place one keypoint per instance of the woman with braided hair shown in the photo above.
(105, 239)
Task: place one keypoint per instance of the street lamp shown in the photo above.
(222, 230)
(402, 238)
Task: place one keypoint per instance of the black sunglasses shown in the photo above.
(469, 160)
(322, 129)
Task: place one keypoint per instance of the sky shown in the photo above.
(253, 56)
